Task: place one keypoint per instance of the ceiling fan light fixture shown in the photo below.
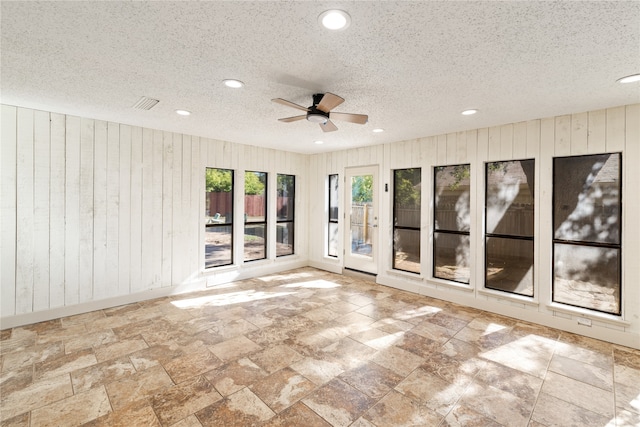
(317, 118)
(470, 112)
(334, 19)
(630, 79)
(233, 83)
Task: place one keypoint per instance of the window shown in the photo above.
(333, 216)
(255, 215)
(218, 204)
(587, 232)
(406, 220)
(285, 215)
(509, 208)
(451, 223)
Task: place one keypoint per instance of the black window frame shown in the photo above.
(266, 215)
(437, 230)
(615, 246)
(225, 224)
(293, 213)
(488, 235)
(330, 220)
(404, 227)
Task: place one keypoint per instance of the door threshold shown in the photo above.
(364, 275)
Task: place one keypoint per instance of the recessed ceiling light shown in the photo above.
(232, 83)
(630, 79)
(318, 142)
(334, 19)
(183, 112)
(469, 112)
(378, 130)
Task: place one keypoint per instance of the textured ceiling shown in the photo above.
(411, 66)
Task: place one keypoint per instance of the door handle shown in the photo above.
(375, 225)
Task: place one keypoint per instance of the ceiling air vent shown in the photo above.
(145, 103)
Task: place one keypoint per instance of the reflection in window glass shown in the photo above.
(406, 219)
(451, 223)
(509, 226)
(333, 216)
(255, 215)
(586, 221)
(219, 218)
(285, 214)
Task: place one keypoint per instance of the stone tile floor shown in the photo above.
(310, 348)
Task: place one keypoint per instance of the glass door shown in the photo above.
(361, 233)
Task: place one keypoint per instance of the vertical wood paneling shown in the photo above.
(483, 145)
(176, 209)
(533, 139)
(615, 129)
(72, 212)
(462, 148)
(579, 134)
(204, 145)
(113, 210)
(42, 158)
(597, 132)
(441, 150)
(167, 207)
(86, 209)
(506, 142)
(147, 209)
(156, 208)
(57, 192)
(186, 207)
(99, 252)
(137, 172)
(194, 209)
(494, 145)
(124, 212)
(25, 236)
(562, 146)
(8, 211)
(631, 245)
(544, 238)
(452, 148)
(520, 141)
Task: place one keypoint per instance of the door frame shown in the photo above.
(363, 263)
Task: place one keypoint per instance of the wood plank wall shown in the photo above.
(92, 210)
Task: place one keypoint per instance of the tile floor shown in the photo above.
(310, 348)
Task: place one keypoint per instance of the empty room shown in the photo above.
(295, 213)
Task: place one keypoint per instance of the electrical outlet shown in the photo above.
(584, 321)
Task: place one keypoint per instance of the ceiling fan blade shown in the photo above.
(328, 126)
(328, 102)
(352, 118)
(293, 119)
(289, 104)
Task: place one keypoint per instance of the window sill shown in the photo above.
(449, 284)
(583, 312)
(509, 297)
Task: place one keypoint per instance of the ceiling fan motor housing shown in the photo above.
(316, 116)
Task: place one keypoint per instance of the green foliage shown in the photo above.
(406, 191)
(459, 172)
(219, 180)
(362, 188)
(254, 183)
